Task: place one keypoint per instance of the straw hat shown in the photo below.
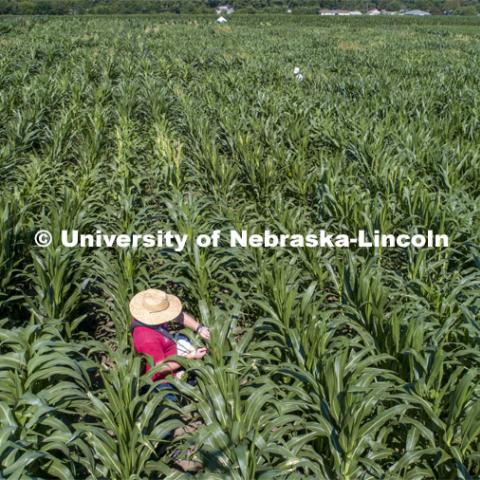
(153, 307)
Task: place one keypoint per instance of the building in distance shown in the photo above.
(417, 13)
(224, 9)
(340, 13)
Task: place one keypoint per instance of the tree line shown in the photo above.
(67, 7)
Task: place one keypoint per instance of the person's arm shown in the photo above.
(188, 321)
(158, 355)
(170, 367)
(154, 350)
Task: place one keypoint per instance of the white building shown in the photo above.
(221, 20)
(417, 13)
(226, 9)
(339, 13)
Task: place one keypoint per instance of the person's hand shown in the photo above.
(198, 353)
(204, 332)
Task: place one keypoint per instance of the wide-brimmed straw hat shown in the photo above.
(153, 307)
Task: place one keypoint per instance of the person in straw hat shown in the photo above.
(152, 310)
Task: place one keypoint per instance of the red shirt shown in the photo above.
(150, 342)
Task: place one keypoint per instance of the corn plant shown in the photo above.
(323, 362)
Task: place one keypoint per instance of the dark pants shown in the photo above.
(168, 396)
(164, 386)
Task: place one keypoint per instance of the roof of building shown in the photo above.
(326, 11)
(419, 13)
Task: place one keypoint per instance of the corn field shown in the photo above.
(331, 364)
